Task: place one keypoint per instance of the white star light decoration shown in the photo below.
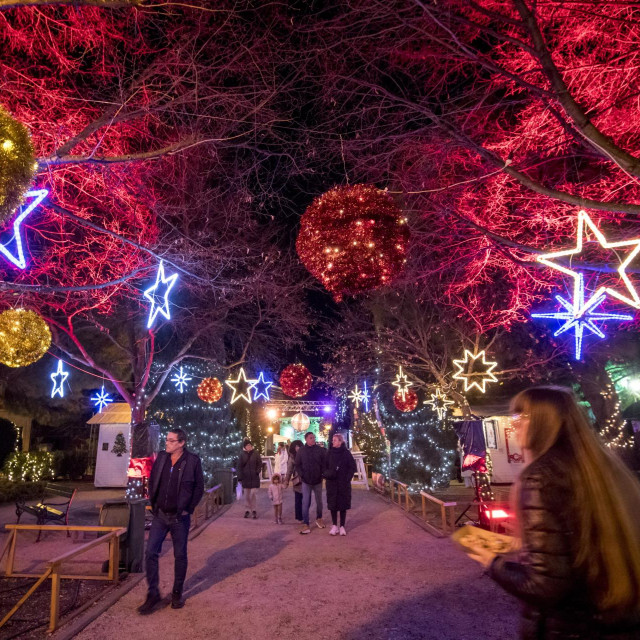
(402, 384)
(181, 379)
(439, 403)
(58, 388)
(151, 295)
(102, 399)
(471, 378)
(241, 379)
(360, 395)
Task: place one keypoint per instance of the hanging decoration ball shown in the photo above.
(210, 390)
(300, 422)
(24, 337)
(295, 380)
(353, 239)
(17, 163)
(408, 403)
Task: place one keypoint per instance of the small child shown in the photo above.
(275, 494)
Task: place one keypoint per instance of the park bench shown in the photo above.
(44, 510)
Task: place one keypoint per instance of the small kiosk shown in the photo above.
(113, 445)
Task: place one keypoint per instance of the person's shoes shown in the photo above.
(334, 531)
(343, 531)
(176, 601)
(320, 524)
(280, 521)
(149, 605)
(247, 514)
(277, 521)
(305, 530)
(255, 515)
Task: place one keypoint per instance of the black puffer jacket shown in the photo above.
(309, 463)
(555, 596)
(339, 469)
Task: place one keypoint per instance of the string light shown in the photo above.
(150, 294)
(181, 379)
(241, 380)
(295, 380)
(210, 390)
(58, 387)
(24, 337)
(102, 399)
(471, 378)
(439, 403)
(402, 383)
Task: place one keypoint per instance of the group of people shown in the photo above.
(304, 467)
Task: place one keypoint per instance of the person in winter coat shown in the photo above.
(281, 460)
(275, 495)
(338, 471)
(310, 467)
(249, 470)
(293, 477)
(578, 506)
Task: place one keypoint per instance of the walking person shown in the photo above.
(578, 574)
(293, 477)
(339, 469)
(310, 461)
(275, 495)
(249, 470)
(281, 460)
(176, 485)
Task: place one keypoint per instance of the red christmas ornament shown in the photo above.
(353, 239)
(295, 380)
(210, 390)
(409, 403)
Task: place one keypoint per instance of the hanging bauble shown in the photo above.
(409, 403)
(295, 380)
(17, 163)
(300, 422)
(210, 390)
(24, 337)
(353, 239)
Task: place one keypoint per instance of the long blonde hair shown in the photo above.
(607, 496)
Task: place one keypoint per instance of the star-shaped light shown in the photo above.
(241, 380)
(16, 255)
(630, 296)
(580, 315)
(181, 379)
(356, 396)
(439, 403)
(402, 384)
(471, 378)
(58, 388)
(151, 295)
(365, 397)
(261, 388)
(102, 399)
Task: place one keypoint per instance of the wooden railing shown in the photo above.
(212, 501)
(447, 511)
(398, 490)
(54, 567)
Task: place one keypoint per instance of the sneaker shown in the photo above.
(305, 530)
(255, 515)
(247, 514)
(176, 601)
(149, 605)
(343, 531)
(320, 524)
(280, 521)
(334, 531)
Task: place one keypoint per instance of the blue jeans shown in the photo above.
(178, 526)
(307, 489)
(298, 504)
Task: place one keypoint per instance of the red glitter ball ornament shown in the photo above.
(295, 380)
(409, 403)
(353, 239)
(210, 390)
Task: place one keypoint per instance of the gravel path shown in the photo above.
(388, 579)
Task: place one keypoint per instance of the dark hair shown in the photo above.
(245, 442)
(182, 436)
(309, 433)
(295, 444)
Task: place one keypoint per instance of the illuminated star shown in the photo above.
(470, 378)
(241, 380)
(402, 383)
(16, 256)
(580, 315)
(102, 399)
(631, 298)
(356, 396)
(58, 388)
(180, 379)
(261, 387)
(365, 396)
(150, 294)
(439, 402)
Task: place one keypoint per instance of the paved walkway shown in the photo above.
(386, 580)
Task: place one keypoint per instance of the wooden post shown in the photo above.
(443, 515)
(114, 559)
(12, 553)
(424, 507)
(55, 598)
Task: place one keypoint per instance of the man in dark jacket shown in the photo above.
(310, 461)
(249, 470)
(176, 486)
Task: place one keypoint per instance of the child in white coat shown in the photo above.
(275, 495)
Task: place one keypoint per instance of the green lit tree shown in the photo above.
(366, 432)
(119, 445)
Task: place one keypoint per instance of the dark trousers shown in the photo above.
(178, 527)
(298, 505)
(334, 517)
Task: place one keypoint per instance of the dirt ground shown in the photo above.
(386, 580)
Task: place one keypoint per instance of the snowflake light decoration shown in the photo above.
(358, 396)
(58, 388)
(102, 399)
(439, 403)
(181, 379)
(471, 377)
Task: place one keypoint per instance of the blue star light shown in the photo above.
(15, 255)
(150, 294)
(101, 400)
(180, 380)
(261, 388)
(580, 315)
(58, 388)
(365, 396)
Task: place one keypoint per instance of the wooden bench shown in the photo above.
(44, 510)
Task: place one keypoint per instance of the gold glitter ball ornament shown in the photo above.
(24, 337)
(17, 164)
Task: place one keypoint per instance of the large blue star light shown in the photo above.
(261, 388)
(58, 388)
(13, 249)
(102, 399)
(151, 295)
(180, 380)
(580, 315)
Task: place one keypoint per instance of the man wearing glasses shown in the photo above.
(176, 486)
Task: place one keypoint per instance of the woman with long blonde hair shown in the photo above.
(578, 507)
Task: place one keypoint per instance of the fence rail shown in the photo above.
(212, 501)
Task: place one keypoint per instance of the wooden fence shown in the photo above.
(212, 501)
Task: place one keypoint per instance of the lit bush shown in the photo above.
(33, 466)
